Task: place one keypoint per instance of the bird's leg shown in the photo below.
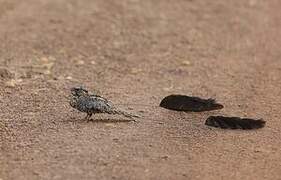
(88, 117)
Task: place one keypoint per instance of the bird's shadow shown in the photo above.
(98, 120)
(109, 120)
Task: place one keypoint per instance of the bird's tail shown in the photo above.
(128, 115)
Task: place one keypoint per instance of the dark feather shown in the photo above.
(189, 103)
(234, 122)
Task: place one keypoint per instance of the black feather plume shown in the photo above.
(189, 103)
(234, 122)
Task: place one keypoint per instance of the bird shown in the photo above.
(83, 101)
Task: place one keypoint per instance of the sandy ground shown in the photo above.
(135, 52)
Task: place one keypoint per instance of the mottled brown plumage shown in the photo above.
(93, 104)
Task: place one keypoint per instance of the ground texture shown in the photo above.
(135, 52)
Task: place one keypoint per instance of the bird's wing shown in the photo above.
(98, 103)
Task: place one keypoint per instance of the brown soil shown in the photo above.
(135, 52)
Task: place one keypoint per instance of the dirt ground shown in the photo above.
(135, 52)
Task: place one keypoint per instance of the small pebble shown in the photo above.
(47, 72)
(186, 63)
(135, 70)
(44, 59)
(109, 125)
(69, 78)
(80, 62)
(167, 88)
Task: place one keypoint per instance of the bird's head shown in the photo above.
(78, 91)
